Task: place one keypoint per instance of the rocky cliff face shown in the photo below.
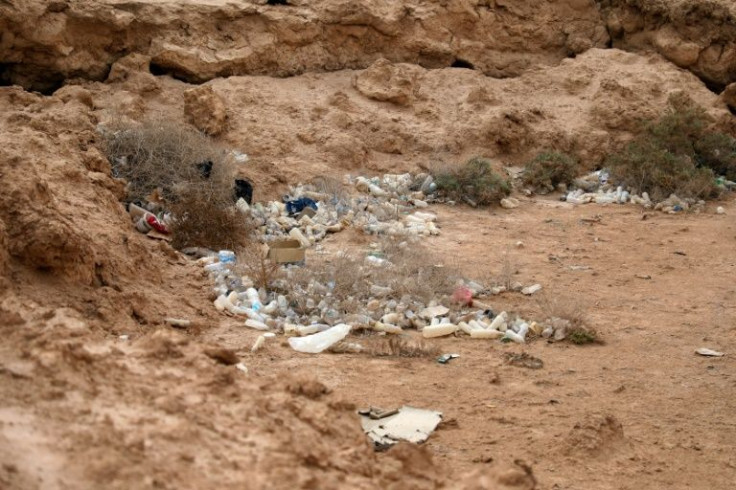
(45, 43)
(699, 35)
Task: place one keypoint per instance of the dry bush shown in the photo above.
(332, 187)
(573, 311)
(164, 157)
(159, 154)
(474, 182)
(413, 271)
(558, 306)
(254, 263)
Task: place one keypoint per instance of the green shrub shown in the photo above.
(718, 152)
(548, 169)
(474, 182)
(644, 166)
(676, 154)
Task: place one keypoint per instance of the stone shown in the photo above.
(205, 110)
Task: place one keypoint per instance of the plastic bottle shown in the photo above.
(498, 321)
(314, 344)
(387, 328)
(253, 298)
(216, 267)
(226, 256)
(486, 334)
(519, 337)
(439, 330)
(255, 324)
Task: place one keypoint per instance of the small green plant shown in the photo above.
(548, 169)
(677, 154)
(474, 182)
(582, 336)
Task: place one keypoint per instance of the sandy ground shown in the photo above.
(674, 408)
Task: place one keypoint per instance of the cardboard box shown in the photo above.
(285, 251)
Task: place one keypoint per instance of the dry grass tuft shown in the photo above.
(558, 306)
(253, 262)
(331, 187)
(509, 268)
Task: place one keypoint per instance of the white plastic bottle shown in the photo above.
(254, 299)
(314, 344)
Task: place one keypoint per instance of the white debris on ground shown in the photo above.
(316, 318)
(405, 424)
(596, 188)
(384, 206)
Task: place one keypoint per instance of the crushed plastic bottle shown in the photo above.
(318, 342)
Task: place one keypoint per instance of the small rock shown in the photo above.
(205, 109)
(720, 210)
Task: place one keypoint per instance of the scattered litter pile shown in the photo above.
(380, 292)
(384, 206)
(318, 317)
(596, 188)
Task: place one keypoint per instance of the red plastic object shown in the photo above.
(156, 224)
(462, 295)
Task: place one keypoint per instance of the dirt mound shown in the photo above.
(67, 240)
(693, 34)
(596, 435)
(46, 43)
(125, 425)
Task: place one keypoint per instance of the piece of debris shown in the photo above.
(524, 360)
(703, 351)
(680, 252)
(378, 413)
(643, 276)
(433, 311)
(408, 424)
(241, 367)
(178, 322)
(720, 210)
(445, 358)
(593, 219)
(509, 203)
(316, 343)
(579, 267)
(529, 290)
